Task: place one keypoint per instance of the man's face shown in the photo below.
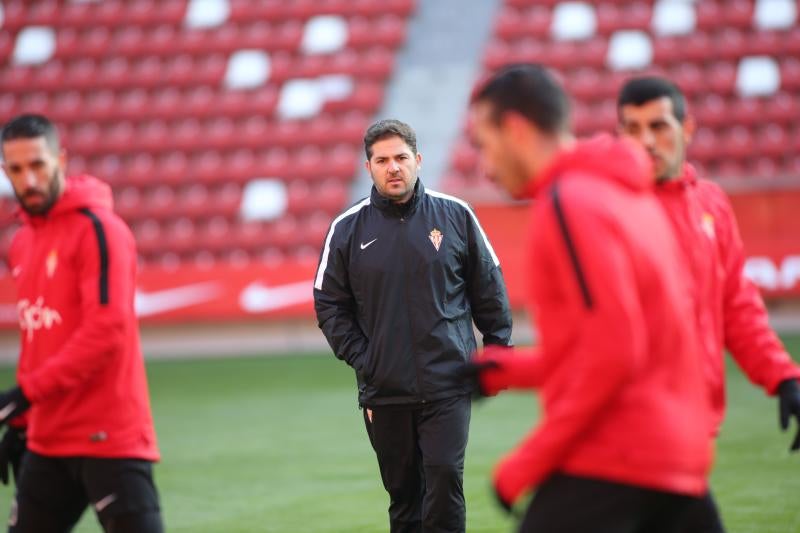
(394, 168)
(35, 171)
(495, 143)
(654, 126)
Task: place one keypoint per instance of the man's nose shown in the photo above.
(29, 178)
(647, 138)
(393, 166)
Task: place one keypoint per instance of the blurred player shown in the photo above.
(729, 309)
(622, 445)
(402, 275)
(81, 378)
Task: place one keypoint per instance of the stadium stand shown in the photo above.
(183, 105)
(735, 60)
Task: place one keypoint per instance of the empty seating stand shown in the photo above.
(179, 104)
(737, 61)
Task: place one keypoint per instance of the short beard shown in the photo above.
(53, 192)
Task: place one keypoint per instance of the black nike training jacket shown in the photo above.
(397, 289)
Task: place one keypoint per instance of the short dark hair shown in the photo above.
(529, 89)
(384, 129)
(638, 91)
(29, 127)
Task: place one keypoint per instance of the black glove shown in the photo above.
(505, 506)
(12, 449)
(12, 404)
(789, 405)
(471, 374)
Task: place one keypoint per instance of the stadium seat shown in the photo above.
(784, 107)
(790, 74)
(772, 140)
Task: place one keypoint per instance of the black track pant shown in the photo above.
(703, 517)
(570, 504)
(53, 492)
(420, 453)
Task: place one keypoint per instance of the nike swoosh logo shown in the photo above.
(257, 297)
(363, 246)
(105, 502)
(156, 302)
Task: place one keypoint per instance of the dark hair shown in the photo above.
(389, 128)
(638, 91)
(30, 127)
(528, 89)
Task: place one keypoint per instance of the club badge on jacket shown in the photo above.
(436, 238)
(52, 263)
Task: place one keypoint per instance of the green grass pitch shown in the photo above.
(277, 444)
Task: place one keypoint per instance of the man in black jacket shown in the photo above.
(402, 275)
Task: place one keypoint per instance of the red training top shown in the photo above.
(80, 361)
(619, 364)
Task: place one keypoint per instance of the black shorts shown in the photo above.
(53, 492)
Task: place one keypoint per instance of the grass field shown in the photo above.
(277, 445)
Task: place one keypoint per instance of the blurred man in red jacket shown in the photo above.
(623, 444)
(81, 380)
(729, 310)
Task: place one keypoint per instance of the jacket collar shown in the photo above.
(390, 208)
(687, 178)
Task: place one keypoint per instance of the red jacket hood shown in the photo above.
(80, 192)
(613, 158)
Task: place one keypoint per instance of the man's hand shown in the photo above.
(12, 448)
(12, 404)
(471, 373)
(789, 405)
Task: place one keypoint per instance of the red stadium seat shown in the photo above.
(746, 111)
(141, 169)
(704, 145)
(772, 141)
(711, 110)
(764, 168)
(207, 166)
(738, 13)
(508, 24)
(730, 44)
(783, 107)
(765, 43)
(790, 74)
(737, 143)
(791, 42)
(721, 77)
(172, 169)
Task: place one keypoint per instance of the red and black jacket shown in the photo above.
(729, 309)
(619, 365)
(80, 361)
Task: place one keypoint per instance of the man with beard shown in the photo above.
(81, 403)
(729, 310)
(402, 275)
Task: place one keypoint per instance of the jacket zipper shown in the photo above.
(418, 368)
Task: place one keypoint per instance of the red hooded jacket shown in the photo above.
(619, 364)
(729, 308)
(80, 362)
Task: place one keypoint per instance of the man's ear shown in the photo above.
(689, 127)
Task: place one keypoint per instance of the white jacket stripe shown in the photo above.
(464, 204)
(323, 264)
